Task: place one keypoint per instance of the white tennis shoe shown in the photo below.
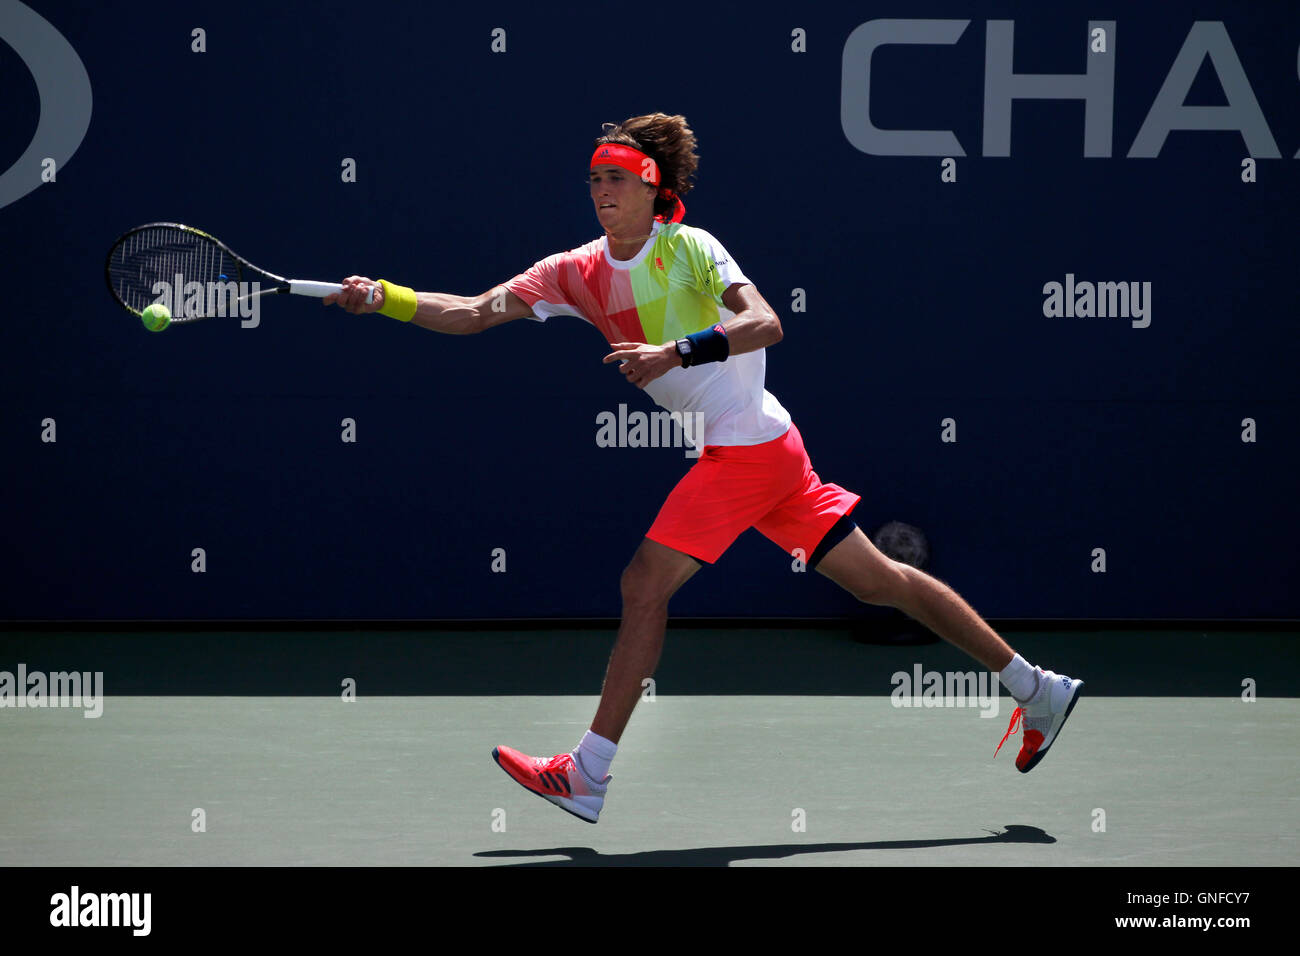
(1042, 717)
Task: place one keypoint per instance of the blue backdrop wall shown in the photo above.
(891, 186)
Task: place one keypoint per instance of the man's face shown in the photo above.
(623, 202)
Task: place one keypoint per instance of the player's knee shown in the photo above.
(886, 585)
(640, 589)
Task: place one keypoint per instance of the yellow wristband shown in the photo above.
(399, 302)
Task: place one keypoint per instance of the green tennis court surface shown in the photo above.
(809, 778)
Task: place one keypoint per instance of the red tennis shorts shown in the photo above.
(730, 488)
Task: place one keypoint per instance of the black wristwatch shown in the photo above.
(684, 350)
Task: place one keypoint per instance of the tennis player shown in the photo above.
(685, 324)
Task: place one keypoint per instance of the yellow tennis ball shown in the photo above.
(157, 317)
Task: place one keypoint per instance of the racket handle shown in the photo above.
(321, 289)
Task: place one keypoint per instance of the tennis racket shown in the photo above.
(197, 276)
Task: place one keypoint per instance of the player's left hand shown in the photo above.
(642, 363)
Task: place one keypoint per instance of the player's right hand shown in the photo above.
(353, 296)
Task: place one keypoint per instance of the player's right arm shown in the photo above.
(439, 311)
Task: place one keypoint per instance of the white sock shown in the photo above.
(1020, 679)
(594, 755)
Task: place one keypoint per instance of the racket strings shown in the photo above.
(163, 264)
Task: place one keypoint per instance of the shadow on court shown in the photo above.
(726, 855)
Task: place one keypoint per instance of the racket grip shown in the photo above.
(321, 289)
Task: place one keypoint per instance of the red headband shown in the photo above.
(638, 163)
(628, 157)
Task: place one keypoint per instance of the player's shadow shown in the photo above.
(725, 855)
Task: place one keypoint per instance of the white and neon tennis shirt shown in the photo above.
(671, 289)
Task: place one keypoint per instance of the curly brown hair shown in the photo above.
(665, 139)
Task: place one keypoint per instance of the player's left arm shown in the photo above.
(755, 324)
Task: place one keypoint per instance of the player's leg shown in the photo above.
(650, 580)
(1046, 699)
(577, 781)
(721, 496)
(715, 501)
(815, 515)
(859, 567)
(813, 520)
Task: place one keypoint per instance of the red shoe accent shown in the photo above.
(541, 776)
(1032, 740)
(1029, 743)
(1015, 721)
(558, 780)
(554, 774)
